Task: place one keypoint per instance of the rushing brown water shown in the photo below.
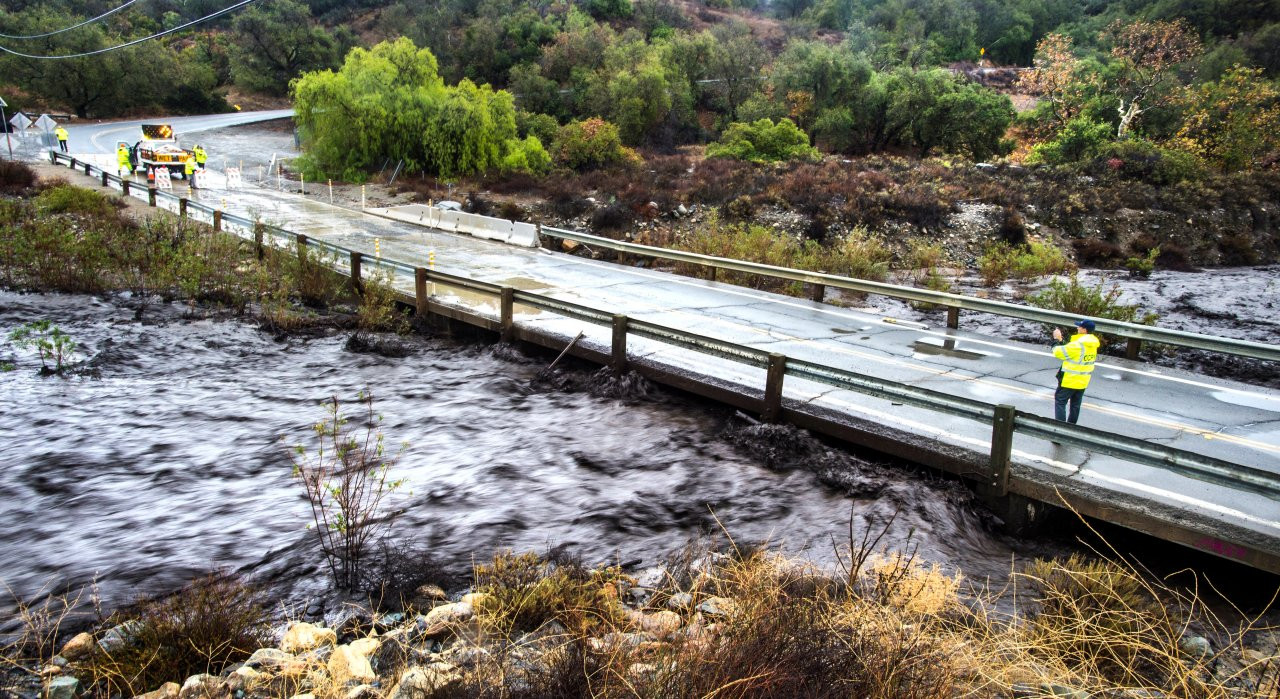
(168, 457)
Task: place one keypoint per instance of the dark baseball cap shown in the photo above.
(1086, 324)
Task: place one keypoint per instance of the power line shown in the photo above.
(157, 35)
(104, 15)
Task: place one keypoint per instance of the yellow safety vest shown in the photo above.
(1078, 357)
(200, 156)
(122, 157)
(61, 133)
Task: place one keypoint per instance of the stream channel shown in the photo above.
(169, 456)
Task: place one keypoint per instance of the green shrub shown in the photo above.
(1143, 266)
(1003, 261)
(541, 126)
(208, 625)
(65, 198)
(377, 311)
(526, 592)
(1139, 159)
(763, 141)
(1090, 301)
(589, 144)
(1081, 139)
(526, 156)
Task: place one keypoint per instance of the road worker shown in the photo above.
(62, 136)
(201, 156)
(1078, 356)
(124, 159)
(189, 170)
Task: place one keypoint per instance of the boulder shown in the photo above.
(431, 592)
(80, 646)
(346, 665)
(362, 691)
(302, 637)
(64, 687)
(680, 601)
(119, 636)
(449, 613)
(719, 606)
(419, 682)
(366, 646)
(1195, 647)
(168, 690)
(243, 678)
(393, 653)
(660, 624)
(203, 687)
(476, 599)
(270, 659)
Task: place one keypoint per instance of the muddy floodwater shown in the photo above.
(168, 457)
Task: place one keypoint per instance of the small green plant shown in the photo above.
(65, 198)
(377, 311)
(1002, 261)
(347, 479)
(6, 366)
(53, 345)
(1090, 301)
(762, 141)
(525, 592)
(1142, 266)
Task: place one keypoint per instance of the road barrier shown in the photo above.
(1005, 420)
(487, 227)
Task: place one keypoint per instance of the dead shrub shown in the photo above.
(1097, 252)
(16, 177)
(526, 592)
(613, 217)
(207, 625)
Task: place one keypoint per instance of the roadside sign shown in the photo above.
(3, 104)
(46, 123)
(20, 121)
(233, 178)
(162, 178)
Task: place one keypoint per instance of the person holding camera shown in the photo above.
(1078, 356)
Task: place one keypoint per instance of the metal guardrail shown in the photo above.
(1004, 419)
(1243, 348)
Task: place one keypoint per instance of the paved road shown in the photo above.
(103, 137)
(1225, 419)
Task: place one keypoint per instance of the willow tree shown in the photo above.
(389, 103)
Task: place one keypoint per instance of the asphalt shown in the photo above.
(1233, 421)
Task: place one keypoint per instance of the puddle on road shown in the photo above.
(946, 348)
(1249, 400)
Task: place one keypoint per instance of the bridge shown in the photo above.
(1184, 457)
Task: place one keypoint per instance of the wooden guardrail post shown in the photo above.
(507, 311)
(1132, 347)
(124, 187)
(356, 286)
(817, 292)
(302, 249)
(182, 207)
(258, 232)
(104, 178)
(773, 388)
(1001, 450)
(953, 317)
(151, 196)
(74, 163)
(712, 277)
(420, 291)
(87, 168)
(619, 344)
(217, 220)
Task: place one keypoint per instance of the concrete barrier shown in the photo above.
(486, 227)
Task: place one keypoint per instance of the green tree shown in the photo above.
(588, 144)
(1232, 123)
(276, 42)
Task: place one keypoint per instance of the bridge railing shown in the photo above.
(1005, 420)
(955, 302)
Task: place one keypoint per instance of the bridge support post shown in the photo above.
(104, 178)
(258, 233)
(420, 290)
(953, 317)
(151, 196)
(507, 311)
(997, 482)
(619, 344)
(356, 286)
(217, 220)
(773, 388)
(182, 207)
(537, 236)
(1132, 347)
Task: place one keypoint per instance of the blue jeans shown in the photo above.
(1064, 395)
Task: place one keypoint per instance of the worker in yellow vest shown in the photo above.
(62, 136)
(189, 170)
(124, 159)
(201, 156)
(1078, 356)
